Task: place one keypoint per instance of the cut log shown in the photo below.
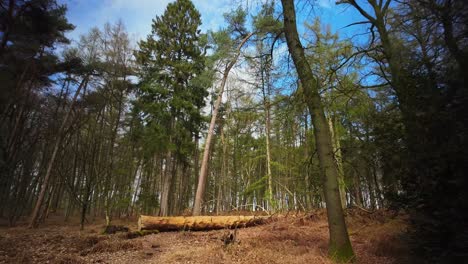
(197, 223)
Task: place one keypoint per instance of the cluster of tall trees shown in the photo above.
(218, 121)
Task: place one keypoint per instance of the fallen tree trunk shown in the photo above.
(197, 223)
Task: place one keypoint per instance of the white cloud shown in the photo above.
(136, 14)
(326, 3)
(212, 12)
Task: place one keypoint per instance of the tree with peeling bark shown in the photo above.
(339, 245)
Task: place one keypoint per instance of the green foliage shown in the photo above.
(30, 31)
(222, 45)
(401, 143)
(256, 186)
(29, 38)
(328, 53)
(236, 22)
(173, 78)
(265, 23)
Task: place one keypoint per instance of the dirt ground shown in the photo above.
(291, 238)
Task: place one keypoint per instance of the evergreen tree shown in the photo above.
(171, 59)
(29, 32)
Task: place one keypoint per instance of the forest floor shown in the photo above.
(293, 238)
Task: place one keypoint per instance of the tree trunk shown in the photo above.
(196, 163)
(167, 176)
(206, 153)
(166, 186)
(339, 162)
(40, 198)
(266, 102)
(357, 190)
(222, 177)
(378, 192)
(339, 246)
(197, 223)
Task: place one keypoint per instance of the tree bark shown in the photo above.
(222, 177)
(339, 245)
(166, 186)
(339, 161)
(266, 104)
(357, 190)
(206, 153)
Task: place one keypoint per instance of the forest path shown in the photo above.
(302, 238)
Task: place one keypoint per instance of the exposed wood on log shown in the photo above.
(197, 223)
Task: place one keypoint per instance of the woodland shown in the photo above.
(273, 115)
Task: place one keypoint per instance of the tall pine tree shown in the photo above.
(171, 98)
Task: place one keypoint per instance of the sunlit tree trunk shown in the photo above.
(206, 153)
(266, 103)
(339, 245)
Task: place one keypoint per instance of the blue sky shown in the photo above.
(137, 15)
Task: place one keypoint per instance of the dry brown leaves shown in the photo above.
(291, 238)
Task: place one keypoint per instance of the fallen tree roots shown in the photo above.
(112, 229)
(197, 223)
